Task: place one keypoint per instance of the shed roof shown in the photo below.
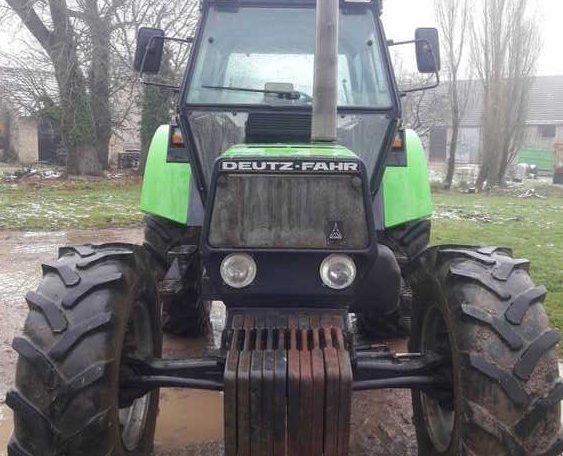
(545, 104)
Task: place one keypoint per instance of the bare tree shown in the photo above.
(52, 26)
(453, 20)
(28, 81)
(505, 46)
(424, 110)
(89, 45)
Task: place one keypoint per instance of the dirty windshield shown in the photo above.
(265, 56)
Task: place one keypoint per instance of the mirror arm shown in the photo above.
(403, 93)
(400, 43)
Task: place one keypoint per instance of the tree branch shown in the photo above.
(24, 9)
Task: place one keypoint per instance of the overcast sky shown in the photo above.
(402, 17)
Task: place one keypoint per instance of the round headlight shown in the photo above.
(238, 270)
(338, 271)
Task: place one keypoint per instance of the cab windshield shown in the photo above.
(265, 56)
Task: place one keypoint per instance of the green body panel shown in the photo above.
(406, 190)
(542, 158)
(166, 186)
(281, 150)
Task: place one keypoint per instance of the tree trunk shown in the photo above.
(99, 79)
(77, 127)
(83, 161)
(456, 120)
(451, 158)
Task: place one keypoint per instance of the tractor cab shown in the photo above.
(251, 79)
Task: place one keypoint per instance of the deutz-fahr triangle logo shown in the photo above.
(335, 233)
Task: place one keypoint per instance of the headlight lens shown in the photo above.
(338, 271)
(238, 270)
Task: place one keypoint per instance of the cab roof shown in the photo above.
(350, 3)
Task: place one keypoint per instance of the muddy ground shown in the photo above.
(190, 422)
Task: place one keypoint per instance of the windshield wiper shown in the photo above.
(285, 94)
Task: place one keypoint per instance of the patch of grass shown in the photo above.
(533, 228)
(61, 204)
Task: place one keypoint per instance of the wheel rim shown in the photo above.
(138, 342)
(439, 420)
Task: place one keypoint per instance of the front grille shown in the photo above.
(289, 211)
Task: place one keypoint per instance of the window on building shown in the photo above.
(547, 131)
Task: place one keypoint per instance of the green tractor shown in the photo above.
(288, 189)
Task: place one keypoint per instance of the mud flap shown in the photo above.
(288, 383)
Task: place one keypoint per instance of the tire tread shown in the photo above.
(43, 394)
(505, 344)
(74, 296)
(518, 307)
(534, 352)
(79, 331)
(53, 313)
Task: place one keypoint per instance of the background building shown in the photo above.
(543, 126)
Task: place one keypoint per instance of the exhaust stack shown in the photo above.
(325, 85)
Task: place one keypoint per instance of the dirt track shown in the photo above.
(190, 423)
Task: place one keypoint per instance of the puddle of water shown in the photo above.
(5, 428)
(187, 417)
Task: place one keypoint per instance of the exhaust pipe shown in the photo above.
(325, 84)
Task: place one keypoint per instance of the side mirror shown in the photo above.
(148, 55)
(427, 50)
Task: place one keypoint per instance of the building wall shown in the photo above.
(24, 139)
(538, 145)
(468, 145)
(127, 138)
(536, 138)
(543, 136)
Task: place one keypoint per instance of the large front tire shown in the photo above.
(480, 309)
(93, 306)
